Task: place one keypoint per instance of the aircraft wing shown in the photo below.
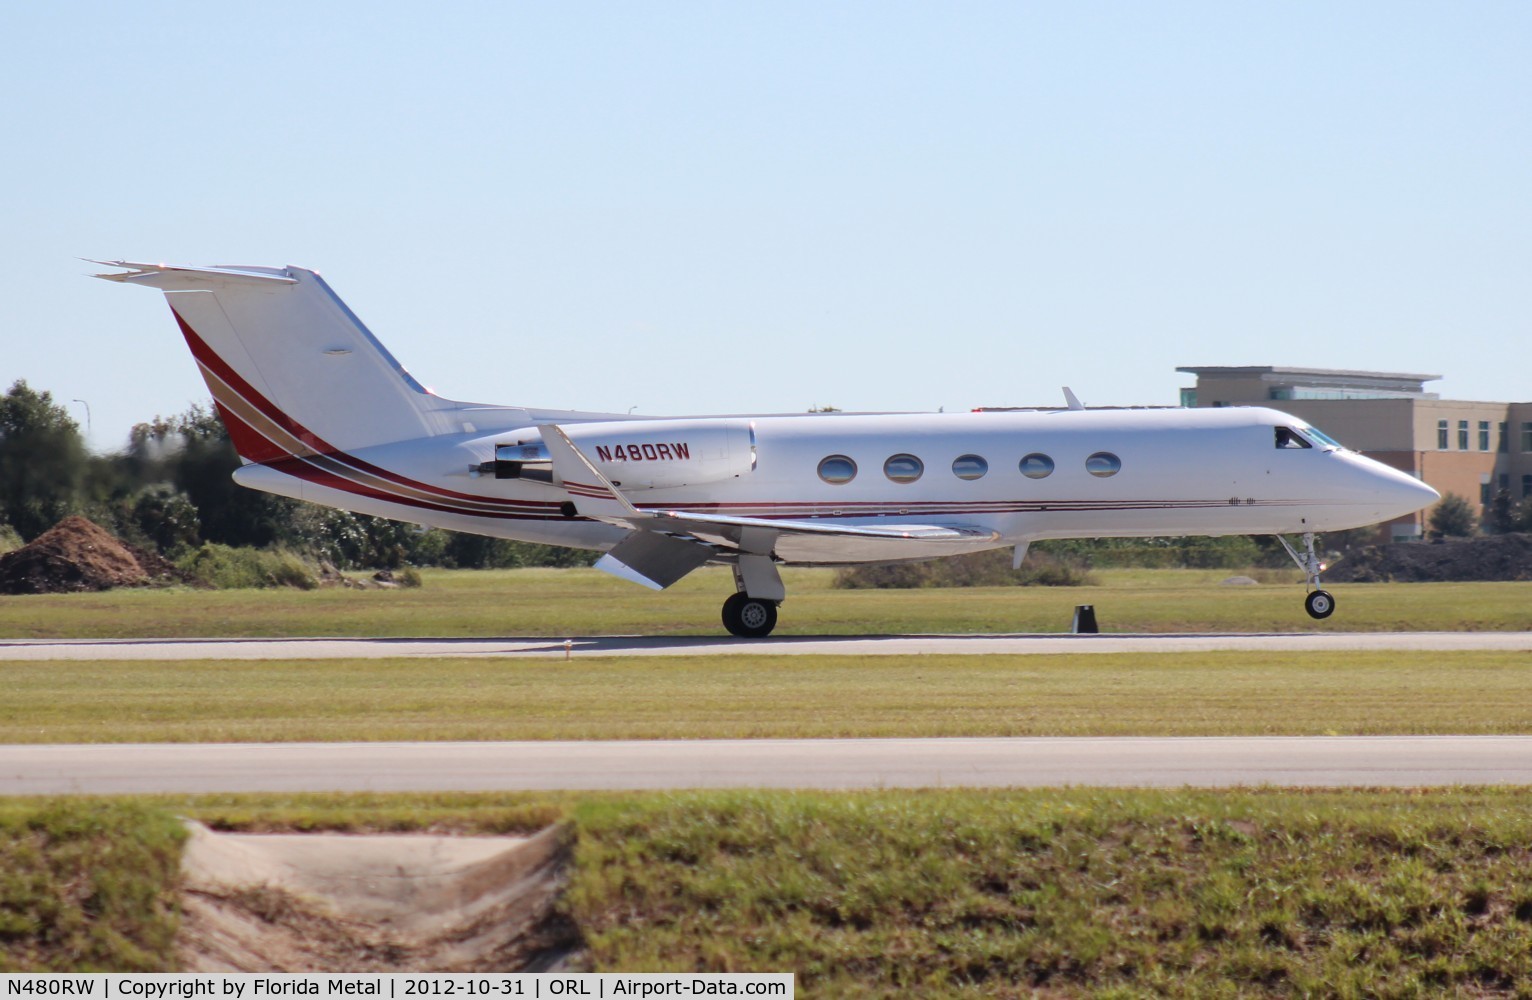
(734, 527)
(671, 543)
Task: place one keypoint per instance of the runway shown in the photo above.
(1209, 762)
(887, 645)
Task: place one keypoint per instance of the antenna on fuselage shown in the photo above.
(1072, 400)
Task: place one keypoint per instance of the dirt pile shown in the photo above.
(383, 579)
(1486, 557)
(78, 555)
(341, 903)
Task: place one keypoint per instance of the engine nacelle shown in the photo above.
(656, 454)
(634, 454)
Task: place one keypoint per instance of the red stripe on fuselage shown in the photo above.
(248, 442)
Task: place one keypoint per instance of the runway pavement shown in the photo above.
(886, 645)
(1398, 761)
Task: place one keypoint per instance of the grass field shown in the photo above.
(588, 602)
(950, 894)
(1108, 893)
(1223, 693)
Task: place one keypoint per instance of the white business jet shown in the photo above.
(318, 410)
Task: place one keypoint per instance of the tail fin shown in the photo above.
(292, 370)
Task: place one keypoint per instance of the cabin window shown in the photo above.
(837, 470)
(1289, 438)
(903, 468)
(1036, 466)
(969, 467)
(1103, 464)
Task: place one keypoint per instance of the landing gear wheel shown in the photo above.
(1319, 602)
(749, 617)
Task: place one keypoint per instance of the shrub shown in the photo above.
(980, 569)
(228, 568)
(1187, 552)
(1453, 516)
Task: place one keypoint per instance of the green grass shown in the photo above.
(1107, 893)
(1075, 893)
(1219, 693)
(587, 602)
(87, 887)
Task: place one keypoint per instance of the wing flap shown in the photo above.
(691, 522)
(653, 559)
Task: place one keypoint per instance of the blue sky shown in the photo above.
(722, 207)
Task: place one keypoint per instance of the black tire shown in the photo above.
(749, 617)
(1319, 604)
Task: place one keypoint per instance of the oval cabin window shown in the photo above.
(837, 469)
(1103, 464)
(1037, 466)
(969, 467)
(903, 468)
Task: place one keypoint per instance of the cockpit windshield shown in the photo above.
(1302, 437)
(1305, 437)
(1289, 438)
(1323, 438)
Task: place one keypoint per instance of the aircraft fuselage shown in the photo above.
(1181, 472)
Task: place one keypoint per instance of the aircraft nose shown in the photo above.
(1405, 493)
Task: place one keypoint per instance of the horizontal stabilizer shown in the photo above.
(170, 277)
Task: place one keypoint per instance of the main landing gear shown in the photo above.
(1319, 603)
(749, 617)
(751, 613)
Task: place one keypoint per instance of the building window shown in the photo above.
(1484, 435)
(1441, 435)
(1462, 435)
(1526, 435)
(1505, 437)
(1526, 487)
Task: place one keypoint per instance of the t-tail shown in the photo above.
(292, 370)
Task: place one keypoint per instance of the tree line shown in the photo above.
(170, 491)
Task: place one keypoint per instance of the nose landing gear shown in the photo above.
(1319, 603)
